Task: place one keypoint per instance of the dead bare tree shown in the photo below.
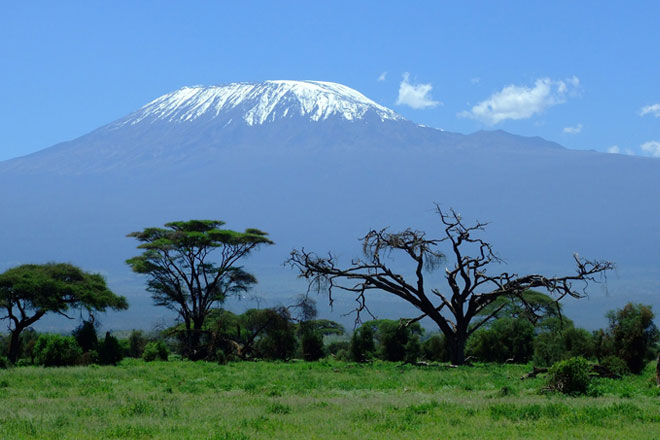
(471, 288)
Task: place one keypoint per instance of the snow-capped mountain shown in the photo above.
(318, 164)
(259, 103)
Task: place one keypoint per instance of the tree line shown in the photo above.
(192, 267)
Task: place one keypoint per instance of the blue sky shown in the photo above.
(584, 74)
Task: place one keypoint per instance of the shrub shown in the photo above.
(412, 350)
(155, 350)
(110, 352)
(85, 335)
(615, 365)
(558, 345)
(570, 377)
(136, 344)
(362, 344)
(89, 358)
(56, 350)
(4, 362)
(506, 339)
(634, 334)
(220, 357)
(337, 346)
(435, 349)
(312, 345)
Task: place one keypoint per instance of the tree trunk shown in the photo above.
(457, 348)
(657, 371)
(14, 345)
(194, 337)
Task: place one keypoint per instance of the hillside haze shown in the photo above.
(317, 164)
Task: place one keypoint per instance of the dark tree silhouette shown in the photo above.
(471, 289)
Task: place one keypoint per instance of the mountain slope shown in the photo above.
(320, 179)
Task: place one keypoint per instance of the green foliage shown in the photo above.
(615, 365)
(571, 376)
(335, 346)
(392, 338)
(52, 350)
(633, 334)
(566, 343)
(4, 362)
(155, 351)
(534, 306)
(85, 335)
(30, 291)
(192, 268)
(279, 337)
(136, 344)
(435, 349)
(507, 339)
(110, 352)
(362, 344)
(312, 345)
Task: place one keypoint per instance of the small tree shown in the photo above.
(30, 291)
(192, 267)
(85, 335)
(633, 334)
(471, 287)
(362, 344)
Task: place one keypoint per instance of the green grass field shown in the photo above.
(298, 400)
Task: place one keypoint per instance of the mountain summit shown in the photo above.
(317, 164)
(259, 103)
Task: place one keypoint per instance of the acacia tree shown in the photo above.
(457, 310)
(30, 291)
(192, 267)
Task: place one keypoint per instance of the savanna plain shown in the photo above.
(315, 400)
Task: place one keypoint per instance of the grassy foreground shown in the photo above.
(185, 400)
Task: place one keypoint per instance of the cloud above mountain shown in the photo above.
(652, 148)
(522, 102)
(653, 109)
(417, 96)
(576, 129)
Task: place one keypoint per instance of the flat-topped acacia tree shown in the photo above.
(30, 291)
(458, 311)
(192, 267)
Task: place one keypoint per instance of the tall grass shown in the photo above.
(186, 400)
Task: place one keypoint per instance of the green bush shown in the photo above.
(337, 346)
(633, 334)
(110, 352)
(52, 350)
(615, 365)
(85, 335)
(312, 345)
(435, 349)
(136, 344)
(412, 350)
(362, 344)
(155, 350)
(89, 358)
(4, 362)
(507, 339)
(571, 376)
(562, 344)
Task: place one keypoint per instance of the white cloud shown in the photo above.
(614, 149)
(475, 80)
(653, 109)
(652, 148)
(382, 76)
(417, 96)
(521, 102)
(573, 130)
